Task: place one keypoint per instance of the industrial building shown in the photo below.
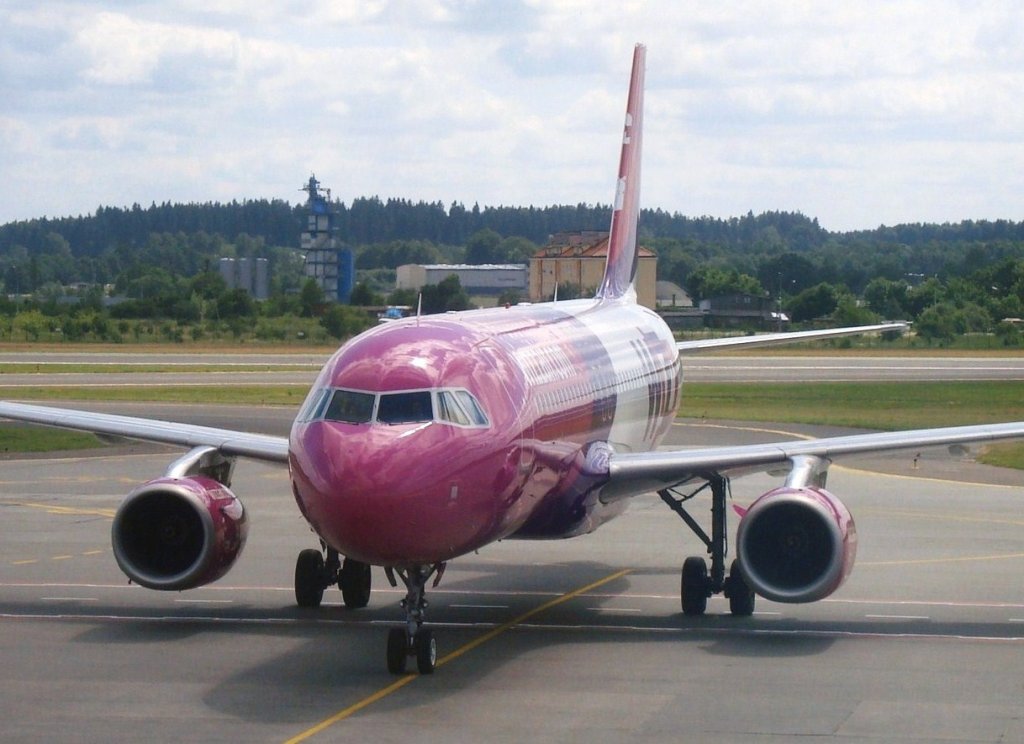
(250, 274)
(327, 261)
(483, 279)
(579, 258)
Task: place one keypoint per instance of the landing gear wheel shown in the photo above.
(426, 651)
(398, 650)
(693, 586)
(741, 596)
(354, 581)
(309, 578)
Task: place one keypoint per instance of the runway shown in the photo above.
(255, 368)
(924, 643)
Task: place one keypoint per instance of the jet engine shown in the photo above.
(796, 544)
(178, 533)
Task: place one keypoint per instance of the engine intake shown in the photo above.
(796, 544)
(178, 533)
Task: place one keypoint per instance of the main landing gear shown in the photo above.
(413, 640)
(696, 583)
(314, 573)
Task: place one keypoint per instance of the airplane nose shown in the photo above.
(397, 495)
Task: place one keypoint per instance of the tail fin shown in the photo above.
(620, 271)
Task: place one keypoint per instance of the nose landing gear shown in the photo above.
(413, 640)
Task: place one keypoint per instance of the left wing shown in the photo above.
(229, 443)
(636, 473)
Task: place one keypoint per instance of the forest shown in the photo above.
(951, 279)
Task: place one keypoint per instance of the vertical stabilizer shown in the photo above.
(620, 271)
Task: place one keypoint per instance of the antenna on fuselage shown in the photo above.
(419, 306)
(554, 297)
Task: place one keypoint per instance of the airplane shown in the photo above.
(430, 437)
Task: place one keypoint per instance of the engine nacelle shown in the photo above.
(796, 544)
(179, 533)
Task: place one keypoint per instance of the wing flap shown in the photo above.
(227, 441)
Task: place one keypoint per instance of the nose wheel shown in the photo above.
(413, 641)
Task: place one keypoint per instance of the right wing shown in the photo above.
(632, 474)
(775, 339)
(230, 443)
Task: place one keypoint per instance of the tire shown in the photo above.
(398, 651)
(693, 586)
(426, 651)
(355, 584)
(309, 578)
(741, 596)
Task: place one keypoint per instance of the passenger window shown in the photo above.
(405, 408)
(350, 407)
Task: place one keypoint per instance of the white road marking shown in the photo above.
(205, 601)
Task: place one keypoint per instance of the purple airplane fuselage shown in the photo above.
(547, 391)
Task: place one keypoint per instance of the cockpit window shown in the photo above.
(457, 407)
(405, 408)
(314, 406)
(476, 414)
(350, 407)
(449, 409)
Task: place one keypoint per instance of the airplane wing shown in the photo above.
(636, 473)
(775, 339)
(229, 443)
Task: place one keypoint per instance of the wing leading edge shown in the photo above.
(230, 443)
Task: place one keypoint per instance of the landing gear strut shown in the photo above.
(696, 583)
(413, 640)
(314, 573)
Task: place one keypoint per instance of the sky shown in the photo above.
(857, 114)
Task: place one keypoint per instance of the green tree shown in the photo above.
(711, 281)
(342, 322)
(887, 298)
(482, 247)
(31, 324)
(311, 299)
(447, 295)
(514, 250)
(362, 295)
(404, 297)
(209, 285)
(849, 313)
(936, 323)
(819, 301)
(235, 303)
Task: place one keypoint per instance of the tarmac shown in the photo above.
(577, 640)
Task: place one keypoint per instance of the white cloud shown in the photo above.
(856, 114)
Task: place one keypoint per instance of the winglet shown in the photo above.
(620, 270)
